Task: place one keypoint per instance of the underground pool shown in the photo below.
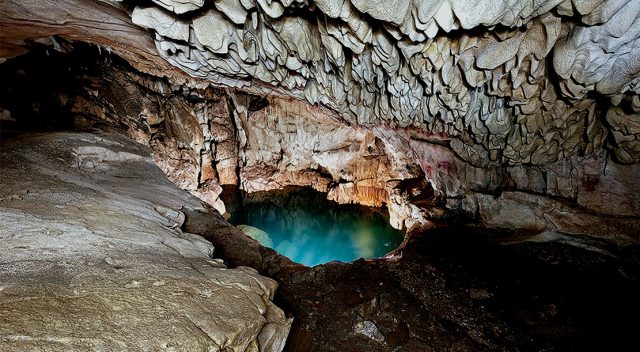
(304, 226)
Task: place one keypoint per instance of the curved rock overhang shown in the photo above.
(522, 115)
(508, 81)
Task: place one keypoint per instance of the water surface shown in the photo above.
(309, 229)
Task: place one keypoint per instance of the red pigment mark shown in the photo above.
(427, 168)
(589, 182)
(446, 166)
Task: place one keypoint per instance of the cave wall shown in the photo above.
(205, 138)
(517, 115)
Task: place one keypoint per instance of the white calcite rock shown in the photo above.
(603, 57)
(215, 32)
(332, 8)
(473, 13)
(233, 9)
(389, 11)
(509, 81)
(180, 6)
(488, 88)
(272, 8)
(297, 34)
(167, 25)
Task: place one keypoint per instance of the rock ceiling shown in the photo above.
(507, 81)
(516, 81)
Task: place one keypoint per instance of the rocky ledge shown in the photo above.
(93, 257)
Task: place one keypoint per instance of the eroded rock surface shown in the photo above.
(472, 98)
(525, 91)
(514, 115)
(93, 257)
(204, 138)
(510, 82)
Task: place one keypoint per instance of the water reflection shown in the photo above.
(311, 230)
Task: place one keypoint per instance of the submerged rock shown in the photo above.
(93, 257)
(257, 234)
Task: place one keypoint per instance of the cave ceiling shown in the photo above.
(507, 81)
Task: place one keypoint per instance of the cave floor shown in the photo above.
(453, 288)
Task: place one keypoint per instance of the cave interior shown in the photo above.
(505, 156)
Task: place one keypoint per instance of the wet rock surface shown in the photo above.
(93, 258)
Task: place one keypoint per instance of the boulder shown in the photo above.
(93, 257)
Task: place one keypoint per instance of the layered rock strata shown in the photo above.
(93, 257)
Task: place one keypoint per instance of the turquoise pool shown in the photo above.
(311, 230)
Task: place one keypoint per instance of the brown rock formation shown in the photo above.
(207, 137)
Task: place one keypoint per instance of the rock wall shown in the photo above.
(93, 256)
(496, 113)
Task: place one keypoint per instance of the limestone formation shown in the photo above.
(165, 24)
(93, 257)
(511, 115)
(474, 98)
(180, 6)
(434, 65)
(509, 82)
(602, 56)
